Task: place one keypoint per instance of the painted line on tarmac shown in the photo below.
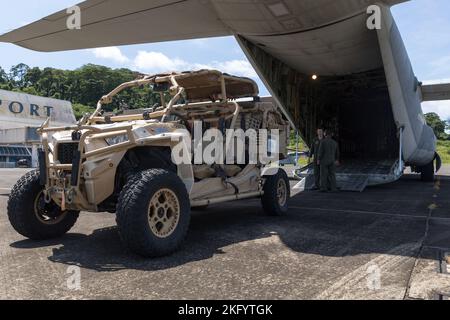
(365, 212)
(5, 191)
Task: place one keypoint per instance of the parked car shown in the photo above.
(23, 163)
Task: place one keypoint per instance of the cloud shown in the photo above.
(235, 67)
(155, 62)
(111, 53)
(442, 108)
(437, 81)
(150, 61)
(202, 43)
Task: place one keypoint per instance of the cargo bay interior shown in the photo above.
(355, 107)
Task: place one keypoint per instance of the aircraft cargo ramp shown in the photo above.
(354, 176)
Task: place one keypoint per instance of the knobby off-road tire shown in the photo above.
(153, 213)
(31, 216)
(277, 193)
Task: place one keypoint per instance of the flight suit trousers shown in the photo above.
(328, 177)
(317, 175)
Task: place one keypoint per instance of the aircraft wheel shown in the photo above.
(427, 172)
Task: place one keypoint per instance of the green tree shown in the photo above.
(80, 110)
(3, 76)
(17, 74)
(83, 86)
(32, 77)
(437, 124)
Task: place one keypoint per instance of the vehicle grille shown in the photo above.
(66, 152)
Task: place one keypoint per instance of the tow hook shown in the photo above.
(47, 196)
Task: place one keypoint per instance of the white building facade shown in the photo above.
(20, 116)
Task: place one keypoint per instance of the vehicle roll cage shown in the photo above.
(175, 90)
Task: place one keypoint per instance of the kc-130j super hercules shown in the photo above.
(364, 89)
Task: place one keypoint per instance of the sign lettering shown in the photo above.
(33, 110)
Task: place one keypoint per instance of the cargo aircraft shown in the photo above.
(340, 64)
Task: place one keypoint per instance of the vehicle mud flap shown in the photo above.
(75, 168)
(42, 167)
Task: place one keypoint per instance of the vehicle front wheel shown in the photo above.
(31, 216)
(277, 193)
(153, 213)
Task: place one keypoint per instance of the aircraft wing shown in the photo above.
(436, 92)
(116, 22)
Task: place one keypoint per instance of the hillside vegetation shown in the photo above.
(83, 86)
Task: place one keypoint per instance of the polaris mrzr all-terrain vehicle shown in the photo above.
(123, 163)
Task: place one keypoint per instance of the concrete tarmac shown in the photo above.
(389, 242)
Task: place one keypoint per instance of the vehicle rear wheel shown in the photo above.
(276, 194)
(153, 213)
(427, 172)
(31, 216)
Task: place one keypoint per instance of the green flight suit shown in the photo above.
(328, 155)
(314, 153)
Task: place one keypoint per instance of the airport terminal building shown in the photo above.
(20, 116)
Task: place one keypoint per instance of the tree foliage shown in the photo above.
(3, 76)
(438, 125)
(83, 87)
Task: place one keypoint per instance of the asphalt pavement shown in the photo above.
(389, 242)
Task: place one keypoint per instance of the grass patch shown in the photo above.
(443, 148)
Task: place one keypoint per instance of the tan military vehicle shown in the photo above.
(124, 163)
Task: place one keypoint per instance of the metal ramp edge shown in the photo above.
(352, 182)
(345, 182)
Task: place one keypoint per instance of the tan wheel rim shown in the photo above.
(164, 213)
(47, 213)
(281, 192)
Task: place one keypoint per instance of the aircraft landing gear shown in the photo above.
(427, 172)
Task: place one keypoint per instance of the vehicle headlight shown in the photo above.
(116, 140)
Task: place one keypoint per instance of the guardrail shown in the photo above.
(7, 165)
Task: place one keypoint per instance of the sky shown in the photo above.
(424, 25)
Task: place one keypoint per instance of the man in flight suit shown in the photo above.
(328, 158)
(314, 156)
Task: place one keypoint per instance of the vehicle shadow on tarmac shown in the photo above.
(210, 232)
(395, 225)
